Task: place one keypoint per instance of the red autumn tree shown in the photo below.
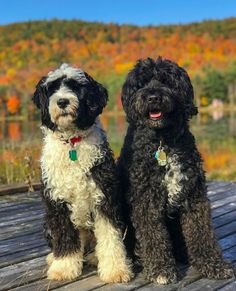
(13, 104)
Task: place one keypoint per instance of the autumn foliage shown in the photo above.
(13, 104)
(108, 51)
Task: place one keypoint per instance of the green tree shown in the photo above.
(230, 74)
(215, 86)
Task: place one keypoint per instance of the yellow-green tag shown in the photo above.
(162, 160)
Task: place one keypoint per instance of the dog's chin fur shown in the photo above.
(65, 122)
(168, 206)
(81, 195)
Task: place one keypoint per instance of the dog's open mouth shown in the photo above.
(155, 115)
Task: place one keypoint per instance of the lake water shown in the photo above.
(20, 144)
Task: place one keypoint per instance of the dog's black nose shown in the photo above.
(62, 102)
(153, 98)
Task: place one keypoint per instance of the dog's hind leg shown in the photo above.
(67, 243)
(113, 265)
(203, 250)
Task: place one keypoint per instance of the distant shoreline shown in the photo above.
(116, 113)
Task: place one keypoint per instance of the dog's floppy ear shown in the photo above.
(99, 97)
(41, 100)
(188, 95)
(136, 79)
(39, 93)
(102, 95)
(190, 108)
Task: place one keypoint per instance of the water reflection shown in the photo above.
(215, 134)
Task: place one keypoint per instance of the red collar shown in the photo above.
(72, 141)
(75, 139)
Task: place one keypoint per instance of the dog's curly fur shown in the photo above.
(80, 196)
(168, 206)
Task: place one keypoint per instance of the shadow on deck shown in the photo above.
(23, 248)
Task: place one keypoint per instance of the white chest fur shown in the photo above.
(174, 179)
(71, 181)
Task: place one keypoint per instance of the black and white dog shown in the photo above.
(162, 175)
(80, 185)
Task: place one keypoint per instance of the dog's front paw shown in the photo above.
(166, 278)
(116, 275)
(65, 268)
(222, 270)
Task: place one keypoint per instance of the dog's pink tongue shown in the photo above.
(155, 114)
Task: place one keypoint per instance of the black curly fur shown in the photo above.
(178, 226)
(59, 231)
(105, 176)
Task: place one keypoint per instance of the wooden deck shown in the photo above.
(23, 249)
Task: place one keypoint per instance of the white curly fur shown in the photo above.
(173, 179)
(69, 180)
(66, 70)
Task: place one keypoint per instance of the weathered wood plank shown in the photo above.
(45, 284)
(24, 255)
(18, 231)
(22, 206)
(31, 253)
(215, 189)
(227, 229)
(22, 273)
(230, 254)
(21, 220)
(229, 287)
(18, 198)
(228, 241)
(86, 284)
(206, 284)
(216, 185)
(224, 208)
(23, 244)
(22, 225)
(223, 201)
(17, 188)
(22, 214)
(139, 281)
(222, 195)
(224, 218)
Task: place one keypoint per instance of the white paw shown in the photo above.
(116, 275)
(162, 280)
(65, 268)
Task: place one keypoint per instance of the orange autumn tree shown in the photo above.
(13, 104)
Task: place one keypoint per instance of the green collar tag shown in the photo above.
(73, 155)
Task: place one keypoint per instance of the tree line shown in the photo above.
(108, 51)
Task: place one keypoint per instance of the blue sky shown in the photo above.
(140, 12)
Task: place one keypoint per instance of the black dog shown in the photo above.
(80, 183)
(162, 175)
